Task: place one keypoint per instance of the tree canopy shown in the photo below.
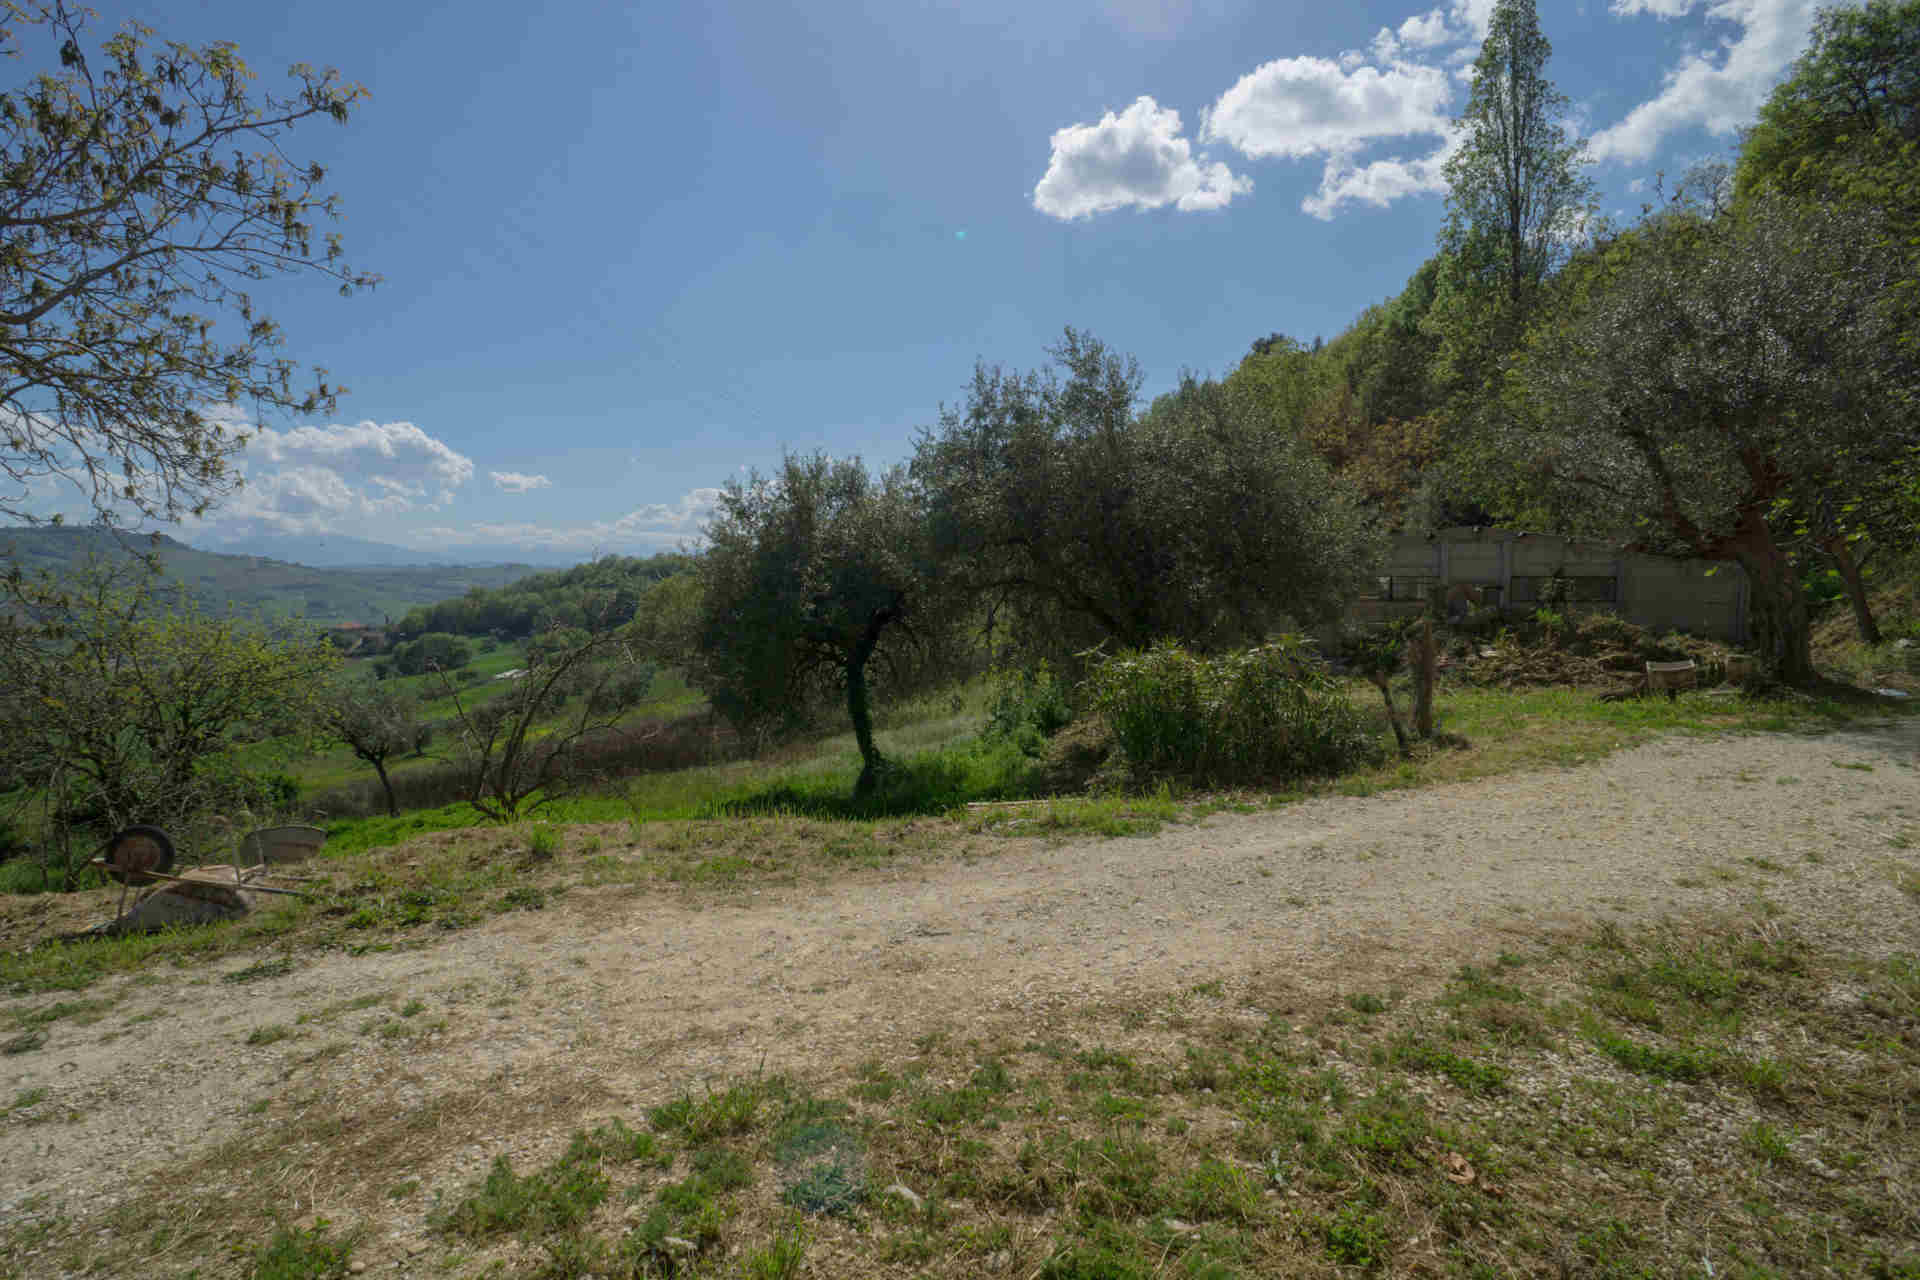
(1709, 380)
(809, 575)
(1515, 191)
(575, 597)
(1205, 518)
(376, 720)
(143, 193)
(1846, 123)
(122, 702)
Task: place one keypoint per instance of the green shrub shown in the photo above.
(1260, 713)
(434, 651)
(1029, 706)
(1356, 1237)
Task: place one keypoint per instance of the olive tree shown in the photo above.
(1844, 128)
(809, 575)
(144, 191)
(377, 721)
(1204, 518)
(1713, 381)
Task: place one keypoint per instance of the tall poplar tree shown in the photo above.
(1516, 190)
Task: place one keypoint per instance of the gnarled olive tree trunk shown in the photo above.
(859, 710)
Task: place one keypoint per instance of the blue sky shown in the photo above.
(630, 251)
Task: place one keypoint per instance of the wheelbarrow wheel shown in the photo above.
(136, 850)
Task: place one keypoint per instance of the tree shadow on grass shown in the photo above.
(925, 785)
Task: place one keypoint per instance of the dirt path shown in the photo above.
(601, 1005)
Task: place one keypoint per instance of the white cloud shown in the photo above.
(1380, 182)
(1137, 157)
(1401, 87)
(656, 524)
(395, 455)
(1658, 8)
(1472, 18)
(514, 482)
(1355, 111)
(325, 479)
(1299, 107)
(1720, 96)
(1426, 30)
(1462, 23)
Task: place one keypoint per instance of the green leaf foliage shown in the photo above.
(1709, 377)
(1081, 520)
(809, 576)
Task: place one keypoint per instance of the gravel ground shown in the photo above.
(606, 1002)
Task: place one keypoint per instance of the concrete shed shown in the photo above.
(1511, 569)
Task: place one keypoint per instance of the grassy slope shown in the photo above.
(335, 766)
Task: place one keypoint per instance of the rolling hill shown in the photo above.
(276, 588)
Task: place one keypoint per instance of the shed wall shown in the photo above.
(1662, 594)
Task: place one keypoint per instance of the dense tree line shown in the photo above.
(576, 597)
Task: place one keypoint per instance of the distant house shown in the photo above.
(1508, 569)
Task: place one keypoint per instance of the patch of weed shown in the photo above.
(1355, 1236)
(1677, 1063)
(780, 1258)
(25, 1042)
(84, 1012)
(559, 1196)
(1414, 1054)
(523, 897)
(1384, 1130)
(1217, 1190)
(311, 1254)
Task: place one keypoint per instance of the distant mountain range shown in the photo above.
(336, 551)
(353, 588)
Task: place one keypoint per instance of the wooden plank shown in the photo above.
(218, 884)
